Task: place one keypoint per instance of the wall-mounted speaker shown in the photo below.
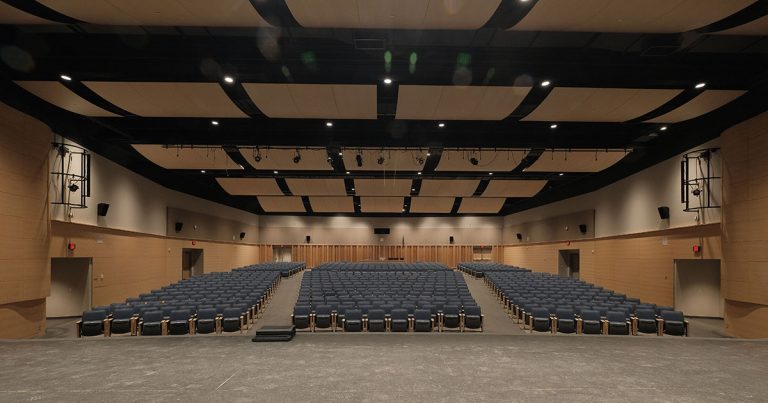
(519, 236)
(308, 239)
(381, 231)
(101, 209)
(451, 239)
(664, 212)
(583, 228)
(179, 226)
(242, 236)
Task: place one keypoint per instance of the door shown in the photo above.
(697, 288)
(568, 263)
(70, 287)
(191, 263)
(282, 253)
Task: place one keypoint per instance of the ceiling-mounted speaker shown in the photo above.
(583, 228)
(242, 236)
(450, 239)
(179, 226)
(519, 236)
(664, 212)
(308, 239)
(101, 209)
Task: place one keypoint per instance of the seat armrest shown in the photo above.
(685, 324)
(218, 324)
(134, 325)
(579, 325)
(192, 323)
(79, 326)
(553, 324)
(604, 326)
(164, 326)
(659, 326)
(108, 327)
(634, 325)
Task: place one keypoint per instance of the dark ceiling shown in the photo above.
(290, 53)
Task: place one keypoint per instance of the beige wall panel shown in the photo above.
(704, 103)
(558, 228)
(314, 101)
(743, 319)
(317, 187)
(513, 188)
(651, 16)
(250, 186)
(209, 227)
(282, 204)
(571, 104)
(381, 204)
(22, 320)
(219, 13)
(485, 205)
(157, 99)
(453, 187)
(57, 94)
(186, 158)
(442, 205)
(383, 187)
(12, 15)
(429, 102)
(332, 204)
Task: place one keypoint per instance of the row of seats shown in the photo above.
(478, 269)
(214, 302)
(355, 297)
(543, 302)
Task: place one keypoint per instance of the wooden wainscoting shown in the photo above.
(449, 255)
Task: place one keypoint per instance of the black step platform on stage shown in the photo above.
(275, 333)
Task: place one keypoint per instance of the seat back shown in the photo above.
(232, 313)
(94, 315)
(298, 310)
(376, 314)
(152, 316)
(180, 314)
(672, 316)
(590, 314)
(646, 314)
(473, 310)
(323, 310)
(206, 313)
(353, 314)
(422, 314)
(616, 316)
(399, 314)
(122, 313)
(564, 313)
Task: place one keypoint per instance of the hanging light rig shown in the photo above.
(72, 175)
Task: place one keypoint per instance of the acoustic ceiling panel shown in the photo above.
(381, 204)
(398, 14)
(282, 204)
(704, 103)
(513, 188)
(433, 102)
(487, 160)
(316, 187)
(218, 13)
(438, 205)
(281, 159)
(448, 187)
(250, 186)
(394, 159)
(12, 15)
(647, 16)
(332, 204)
(757, 27)
(567, 104)
(186, 158)
(56, 93)
(158, 99)
(383, 187)
(477, 205)
(314, 101)
(576, 161)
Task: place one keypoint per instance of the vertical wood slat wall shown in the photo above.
(449, 255)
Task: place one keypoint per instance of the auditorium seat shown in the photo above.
(207, 321)
(645, 321)
(616, 323)
(564, 321)
(179, 322)
(322, 318)
(353, 320)
(232, 320)
(399, 321)
(123, 321)
(673, 323)
(301, 317)
(590, 322)
(422, 321)
(153, 324)
(540, 320)
(93, 323)
(375, 322)
(472, 318)
(451, 317)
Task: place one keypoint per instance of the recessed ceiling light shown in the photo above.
(387, 81)
(429, 154)
(490, 173)
(347, 172)
(701, 85)
(663, 128)
(353, 189)
(419, 173)
(413, 190)
(202, 171)
(328, 124)
(229, 79)
(341, 153)
(553, 126)
(441, 125)
(215, 122)
(546, 83)
(65, 77)
(275, 172)
(653, 135)
(561, 174)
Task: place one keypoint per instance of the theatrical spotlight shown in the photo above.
(380, 160)
(474, 161)
(297, 157)
(359, 159)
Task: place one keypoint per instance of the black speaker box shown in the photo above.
(583, 228)
(308, 238)
(242, 236)
(101, 209)
(179, 226)
(664, 212)
(519, 236)
(451, 239)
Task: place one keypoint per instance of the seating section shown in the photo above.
(542, 302)
(210, 303)
(385, 297)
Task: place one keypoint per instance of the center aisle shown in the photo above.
(496, 320)
(280, 308)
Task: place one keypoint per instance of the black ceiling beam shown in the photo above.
(407, 205)
(356, 202)
(283, 185)
(235, 155)
(275, 12)
(307, 204)
(509, 13)
(750, 13)
(674, 103)
(481, 186)
(456, 206)
(240, 98)
(39, 10)
(415, 187)
(532, 100)
(89, 95)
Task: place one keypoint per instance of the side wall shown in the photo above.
(745, 228)
(24, 265)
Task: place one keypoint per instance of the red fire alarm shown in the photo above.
(71, 246)
(696, 248)
(194, 243)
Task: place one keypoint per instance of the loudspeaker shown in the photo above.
(242, 236)
(451, 239)
(101, 209)
(308, 238)
(664, 212)
(519, 236)
(179, 226)
(583, 228)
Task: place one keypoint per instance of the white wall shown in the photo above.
(289, 230)
(629, 206)
(136, 203)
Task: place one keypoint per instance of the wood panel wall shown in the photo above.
(745, 227)
(449, 255)
(24, 265)
(640, 265)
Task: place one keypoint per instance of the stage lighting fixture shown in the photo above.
(297, 157)
(474, 161)
(359, 160)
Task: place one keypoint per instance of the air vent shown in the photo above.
(369, 44)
